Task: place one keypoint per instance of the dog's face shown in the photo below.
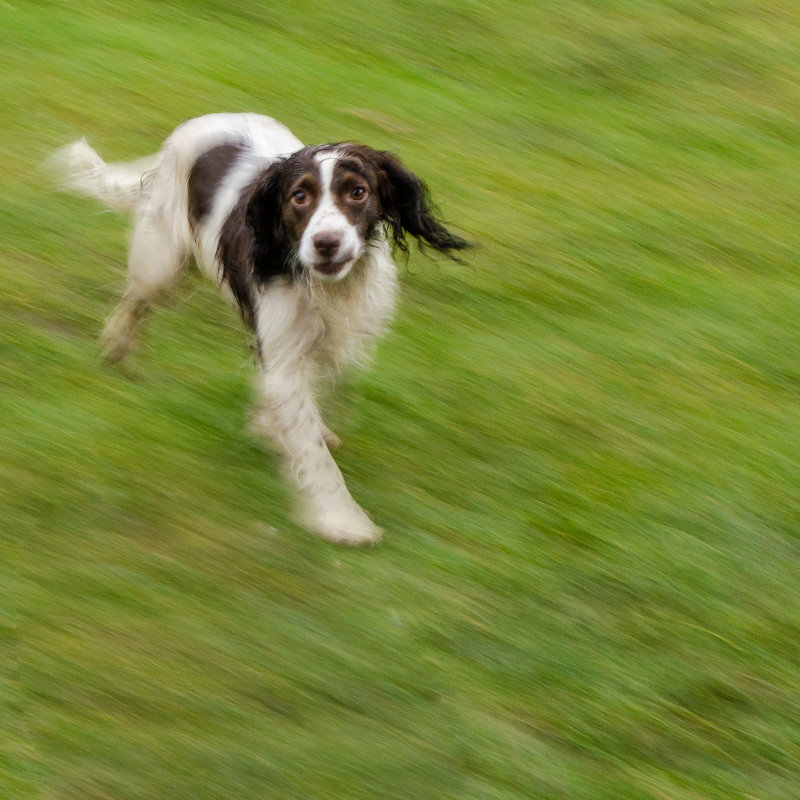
(330, 207)
(317, 210)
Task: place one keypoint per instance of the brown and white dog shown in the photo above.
(299, 239)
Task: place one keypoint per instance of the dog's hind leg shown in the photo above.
(119, 332)
(154, 263)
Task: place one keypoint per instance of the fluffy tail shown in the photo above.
(118, 186)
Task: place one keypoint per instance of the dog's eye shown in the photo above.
(358, 193)
(299, 197)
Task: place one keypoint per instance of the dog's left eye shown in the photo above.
(299, 197)
(358, 193)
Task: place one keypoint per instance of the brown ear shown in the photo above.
(272, 251)
(407, 208)
(253, 245)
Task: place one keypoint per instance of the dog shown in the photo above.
(299, 239)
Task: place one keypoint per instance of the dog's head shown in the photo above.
(318, 209)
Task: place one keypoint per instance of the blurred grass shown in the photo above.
(582, 446)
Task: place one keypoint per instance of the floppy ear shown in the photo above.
(253, 242)
(407, 208)
(271, 246)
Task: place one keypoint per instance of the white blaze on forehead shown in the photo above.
(328, 219)
(326, 206)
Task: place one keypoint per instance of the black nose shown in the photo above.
(326, 244)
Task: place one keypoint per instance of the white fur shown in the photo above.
(304, 327)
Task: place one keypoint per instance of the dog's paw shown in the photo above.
(115, 346)
(349, 525)
(119, 334)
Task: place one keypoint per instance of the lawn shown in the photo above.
(582, 444)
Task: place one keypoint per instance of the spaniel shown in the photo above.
(299, 239)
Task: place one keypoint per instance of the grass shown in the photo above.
(583, 446)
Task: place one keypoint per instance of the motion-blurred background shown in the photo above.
(582, 445)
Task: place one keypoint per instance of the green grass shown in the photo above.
(583, 445)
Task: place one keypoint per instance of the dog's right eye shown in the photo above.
(299, 197)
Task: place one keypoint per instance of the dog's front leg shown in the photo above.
(296, 426)
(262, 426)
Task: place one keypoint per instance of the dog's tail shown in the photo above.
(120, 186)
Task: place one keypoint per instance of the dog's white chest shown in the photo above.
(353, 313)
